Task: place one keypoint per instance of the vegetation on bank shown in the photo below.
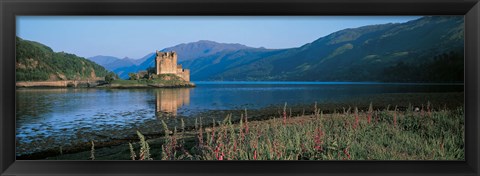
(163, 80)
(389, 134)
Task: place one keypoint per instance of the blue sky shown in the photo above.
(136, 36)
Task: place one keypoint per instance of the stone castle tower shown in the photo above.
(166, 63)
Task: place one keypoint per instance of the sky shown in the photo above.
(136, 36)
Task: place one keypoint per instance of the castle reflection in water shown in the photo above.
(168, 101)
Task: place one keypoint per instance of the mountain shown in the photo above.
(205, 68)
(419, 51)
(202, 48)
(185, 51)
(37, 62)
(139, 64)
(111, 63)
(103, 60)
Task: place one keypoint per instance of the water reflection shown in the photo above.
(168, 101)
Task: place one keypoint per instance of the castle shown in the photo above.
(166, 63)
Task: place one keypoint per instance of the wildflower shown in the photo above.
(395, 117)
(200, 137)
(285, 114)
(356, 118)
(318, 139)
(92, 152)
(369, 117)
(145, 148)
(217, 150)
(234, 146)
(428, 109)
(346, 124)
(132, 152)
(246, 122)
(345, 151)
(213, 134)
(422, 113)
(221, 157)
(370, 111)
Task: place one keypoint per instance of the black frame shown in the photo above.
(9, 9)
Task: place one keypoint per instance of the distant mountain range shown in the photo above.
(428, 49)
(37, 62)
(186, 52)
(112, 63)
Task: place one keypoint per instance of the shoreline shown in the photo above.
(255, 116)
(94, 84)
(122, 86)
(119, 150)
(59, 84)
(99, 83)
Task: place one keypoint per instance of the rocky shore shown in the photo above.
(60, 84)
(147, 85)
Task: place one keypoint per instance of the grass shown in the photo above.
(389, 134)
(165, 80)
(128, 82)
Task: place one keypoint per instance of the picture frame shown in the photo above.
(469, 8)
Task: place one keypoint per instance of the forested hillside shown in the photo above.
(37, 62)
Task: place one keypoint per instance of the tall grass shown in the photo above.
(351, 135)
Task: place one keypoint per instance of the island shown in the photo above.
(166, 73)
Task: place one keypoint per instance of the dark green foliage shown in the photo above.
(165, 79)
(151, 70)
(110, 77)
(447, 67)
(37, 62)
(132, 76)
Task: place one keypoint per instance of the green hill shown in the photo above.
(37, 62)
(429, 49)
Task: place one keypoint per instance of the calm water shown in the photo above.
(47, 118)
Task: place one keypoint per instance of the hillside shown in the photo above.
(37, 62)
(429, 49)
(217, 65)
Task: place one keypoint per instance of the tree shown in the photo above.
(133, 76)
(151, 70)
(110, 77)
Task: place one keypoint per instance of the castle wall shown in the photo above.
(168, 66)
(179, 69)
(185, 74)
(166, 63)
